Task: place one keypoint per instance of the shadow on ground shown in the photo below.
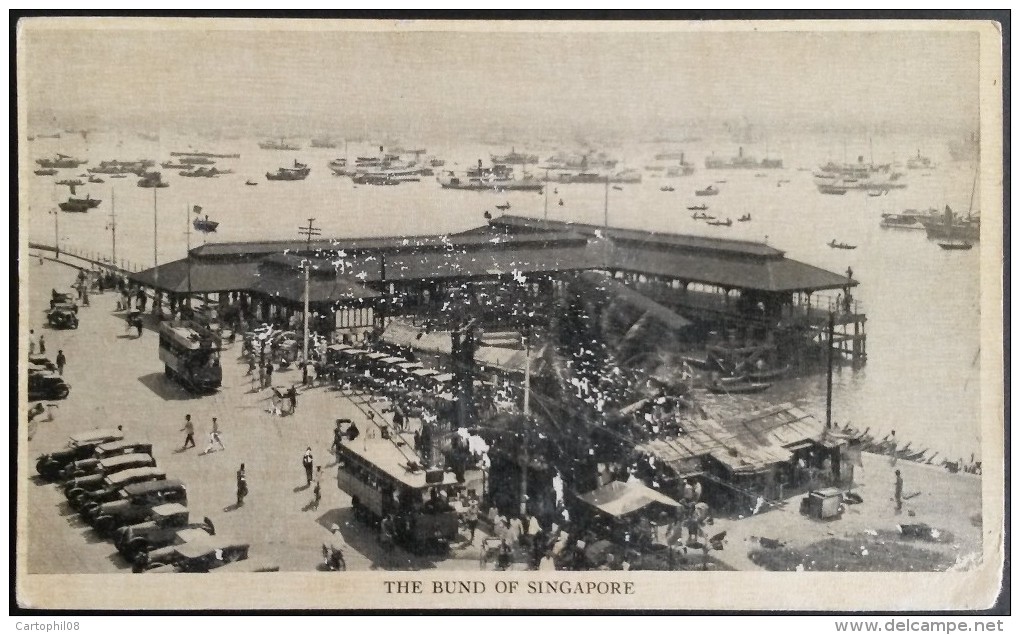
(164, 388)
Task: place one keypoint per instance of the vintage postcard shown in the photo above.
(509, 315)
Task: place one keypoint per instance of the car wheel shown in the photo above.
(42, 466)
(104, 524)
(63, 391)
(137, 546)
(74, 493)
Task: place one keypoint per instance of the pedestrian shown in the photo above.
(398, 418)
(899, 492)
(338, 439)
(190, 429)
(42, 344)
(308, 462)
(138, 325)
(262, 376)
(269, 374)
(61, 361)
(214, 437)
(292, 397)
(471, 518)
(242, 485)
(32, 345)
(317, 490)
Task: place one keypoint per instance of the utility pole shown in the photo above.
(525, 433)
(828, 374)
(155, 243)
(187, 254)
(113, 221)
(309, 231)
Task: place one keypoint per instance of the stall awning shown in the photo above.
(619, 498)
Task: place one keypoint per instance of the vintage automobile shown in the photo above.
(133, 504)
(110, 465)
(160, 530)
(196, 554)
(65, 298)
(46, 385)
(109, 486)
(63, 316)
(107, 450)
(79, 446)
(41, 363)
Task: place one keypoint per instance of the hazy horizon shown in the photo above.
(449, 84)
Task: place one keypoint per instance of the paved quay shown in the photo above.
(117, 378)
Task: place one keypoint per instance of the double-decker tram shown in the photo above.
(191, 355)
(383, 477)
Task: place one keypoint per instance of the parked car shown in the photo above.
(160, 530)
(41, 363)
(63, 316)
(198, 554)
(109, 486)
(79, 446)
(107, 450)
(46, 385)
(134, 504)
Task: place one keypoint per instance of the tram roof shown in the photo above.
(385, 456)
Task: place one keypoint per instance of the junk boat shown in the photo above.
(46, 172)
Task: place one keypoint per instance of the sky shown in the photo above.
(300, 81)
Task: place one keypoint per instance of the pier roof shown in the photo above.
(728, 263)
(640, 237)
(206, 277)
(332, 246)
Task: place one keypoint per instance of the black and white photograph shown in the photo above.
(522, 314)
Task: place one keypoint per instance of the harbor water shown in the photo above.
(922, 375)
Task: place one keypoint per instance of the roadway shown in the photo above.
(117, 379)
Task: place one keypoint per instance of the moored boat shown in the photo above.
(277, 145)
(204, 225)
(739, 388)
(46, 172)
(60, 161)
(299, 172)
(708, 191)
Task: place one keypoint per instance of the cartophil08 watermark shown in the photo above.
(46, 627)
